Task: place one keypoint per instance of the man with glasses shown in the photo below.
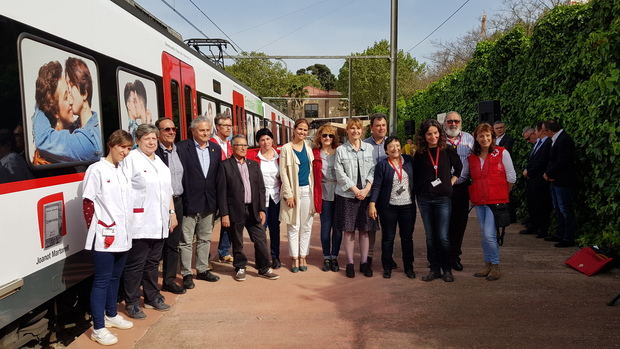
(223, 126)
(463, 143)
(199, 199)
(167, 151)
(241, 200)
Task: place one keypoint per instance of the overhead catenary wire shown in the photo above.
(218, 27)
(280, 17)
(440, 25)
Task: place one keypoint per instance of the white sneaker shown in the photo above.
(118, 321)
(103, 336)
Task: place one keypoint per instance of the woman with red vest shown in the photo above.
(492, 175)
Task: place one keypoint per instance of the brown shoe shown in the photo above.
(227, 259)
(494, 274)
(485, 271)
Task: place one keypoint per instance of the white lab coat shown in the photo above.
(151, 193)
(108, 188)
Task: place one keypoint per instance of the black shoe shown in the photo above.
(350, 272)
(553, 238)
(410, 274)
(188, 281)
(275, 264)
(387, 273)
(526, 232)
(431, 276)
(173, 288)
(447, 277)
(564, 244)
(157, 304)
(207, 276)
(134, 311)
(541, 236)
(327, 264)
(457, 266)
(366, 269)
(335, 266)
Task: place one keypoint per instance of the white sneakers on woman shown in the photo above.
(103, 336)
(118, 321)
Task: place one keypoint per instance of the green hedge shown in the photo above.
(568, 69)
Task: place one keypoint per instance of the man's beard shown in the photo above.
(453, 132)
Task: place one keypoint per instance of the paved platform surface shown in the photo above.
(538, 303)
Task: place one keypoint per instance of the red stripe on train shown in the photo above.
(13, 187)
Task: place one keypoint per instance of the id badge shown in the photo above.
(436, 182)
(108, 232)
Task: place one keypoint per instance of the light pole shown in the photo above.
(393, 70)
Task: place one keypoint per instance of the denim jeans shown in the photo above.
(331, 237)
(562, 198)
(273, 223)
(435, 212)
(224, 246)
(488, 234)
(108, 269)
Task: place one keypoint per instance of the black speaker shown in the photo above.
(489, 111)
(409, 127)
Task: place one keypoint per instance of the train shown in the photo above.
(72, 72)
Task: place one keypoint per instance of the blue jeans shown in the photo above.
(562, 198)
(488, 234)
(224, 246)
(108, 269)
(435, 212)
(331, 237)
(273, 223)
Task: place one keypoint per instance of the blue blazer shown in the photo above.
(384, 177)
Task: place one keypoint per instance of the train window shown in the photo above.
(60, 95)
(311, 110)
(187, 92)
(137, 100)
(217, 87)
(176, 112)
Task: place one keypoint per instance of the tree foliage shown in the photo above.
(323, 73)
(568, 69)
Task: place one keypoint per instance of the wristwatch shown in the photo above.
(171, 212)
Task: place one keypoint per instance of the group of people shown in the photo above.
(154, 201)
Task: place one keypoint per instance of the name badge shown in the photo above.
(108, 232)
(436, 182)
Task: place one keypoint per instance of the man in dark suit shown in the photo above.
(241, 200)
(537, 188)
(201, 161)
(560, 173)
(501, 138)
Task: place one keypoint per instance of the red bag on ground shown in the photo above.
(588, 261)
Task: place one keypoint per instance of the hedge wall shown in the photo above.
(568, 69)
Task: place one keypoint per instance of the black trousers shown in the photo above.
(170, 253)
(141, 270)
(404, 216)
(458, 220)
(538, 205)
(258, 236)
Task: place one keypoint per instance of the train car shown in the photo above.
(72, 72)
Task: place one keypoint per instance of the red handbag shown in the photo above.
(588, 261)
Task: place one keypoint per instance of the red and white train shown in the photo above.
(65, 62)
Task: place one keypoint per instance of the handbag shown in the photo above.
(588, 261)
(501, 213)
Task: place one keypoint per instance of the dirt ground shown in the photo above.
(538, 303)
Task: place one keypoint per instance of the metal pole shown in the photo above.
(393, 54)
(350, 70)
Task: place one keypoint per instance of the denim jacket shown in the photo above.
(346, 167)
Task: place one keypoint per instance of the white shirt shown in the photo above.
(151, 193)
(222, 143)
(271, 177)
(499, 139)
(555, 137)
(108, 188)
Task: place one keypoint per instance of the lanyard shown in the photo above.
(455, 145)
(435, 162)
(399, 174)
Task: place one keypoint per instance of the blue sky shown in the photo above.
(323, 27)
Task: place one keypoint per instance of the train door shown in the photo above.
(179, 82)
(239, 114)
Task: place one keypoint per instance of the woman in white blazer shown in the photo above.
(297, 193)
(106, 210)
(152, 218)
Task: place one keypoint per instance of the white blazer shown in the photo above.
(151, 193)
(108, 188)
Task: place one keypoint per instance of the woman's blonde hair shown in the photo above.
(354, 122)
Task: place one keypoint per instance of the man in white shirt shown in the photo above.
(224, 127)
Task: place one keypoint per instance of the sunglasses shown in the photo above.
(169, 129)
(325, 135)
(453, 121)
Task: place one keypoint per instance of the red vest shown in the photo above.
(489, 185)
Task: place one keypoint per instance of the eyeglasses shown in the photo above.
(169, 129)
(325, 135)
(225, 125)
(240, 145)
(453, 122)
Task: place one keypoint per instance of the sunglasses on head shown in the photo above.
(168, 129)
(325, 135)
(453, 121)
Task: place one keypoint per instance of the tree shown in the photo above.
(323, 73)
(523, 12)
(371, 78)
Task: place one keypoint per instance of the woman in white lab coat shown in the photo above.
(106, 209)
(152, 217)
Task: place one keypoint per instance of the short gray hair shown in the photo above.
(453, 112)
(146, 129)
(238, 136)
(199, 120)
(528, 130)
